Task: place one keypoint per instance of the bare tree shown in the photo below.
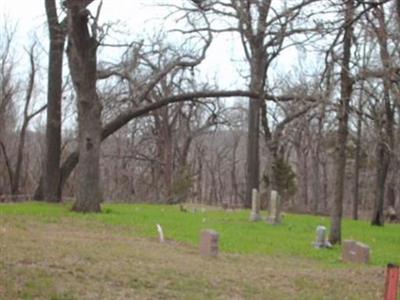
(14, 169)
(264, 28)
(50, 187)
(384, 117)
(8, 89)
(346, 90)
(82, 58)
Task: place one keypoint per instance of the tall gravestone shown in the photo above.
(275, 211)
(255, 206)
(160, 233)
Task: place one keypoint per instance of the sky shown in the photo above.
(140, 18)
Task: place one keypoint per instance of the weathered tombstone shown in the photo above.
(355, 252)
(160, 233)
(209, 243)
(391, 215)
(255, 206)
(275, 214)
(320, 240)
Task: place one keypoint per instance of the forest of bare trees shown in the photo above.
(147, 127)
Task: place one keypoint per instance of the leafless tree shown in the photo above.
(10, 95)
(346, 90)
(264, 28)
(57, 34)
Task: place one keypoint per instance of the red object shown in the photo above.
(392, 279)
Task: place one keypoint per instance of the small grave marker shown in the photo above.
(255, 206)
(160, 233)
(355, 252)
(209, 240)
(275, 214)
(320, 240)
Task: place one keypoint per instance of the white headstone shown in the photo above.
(320, 239)
(255, 206)
(275, 214)
(160, 233)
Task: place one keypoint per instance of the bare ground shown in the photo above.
(74, 259)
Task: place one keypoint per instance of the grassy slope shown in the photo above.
(237, 235)
(48, 252)
(87, 260)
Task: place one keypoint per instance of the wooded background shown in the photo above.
(325, 135)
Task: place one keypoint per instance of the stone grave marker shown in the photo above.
(160, 233)
(255, 206)
(355, 252)
(320, 239)
(275, 214)
(209, 240)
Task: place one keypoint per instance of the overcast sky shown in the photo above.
(223, 65)
(140, 17)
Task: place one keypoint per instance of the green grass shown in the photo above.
(237, 235)
(49, 252)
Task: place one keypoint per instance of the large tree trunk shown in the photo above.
(358, 148)
(51, 184)
(385, 122)
(346, 89)
(253, 147)
(316, 164)
(253, 153)
(381, 174)
(82, 50)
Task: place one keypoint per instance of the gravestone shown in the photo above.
(255, 206)
(209, 243)
(275, 214)
(160, 233)
(391, 215)
(355, 252)
(320, 239)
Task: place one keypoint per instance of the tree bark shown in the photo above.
(51, 183)
(357, 165)
(258, 74)
(253, 152)
(82, 58)
(381, 174)
(385, 120)
(346, 89)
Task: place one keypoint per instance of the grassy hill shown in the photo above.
(49, 252)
